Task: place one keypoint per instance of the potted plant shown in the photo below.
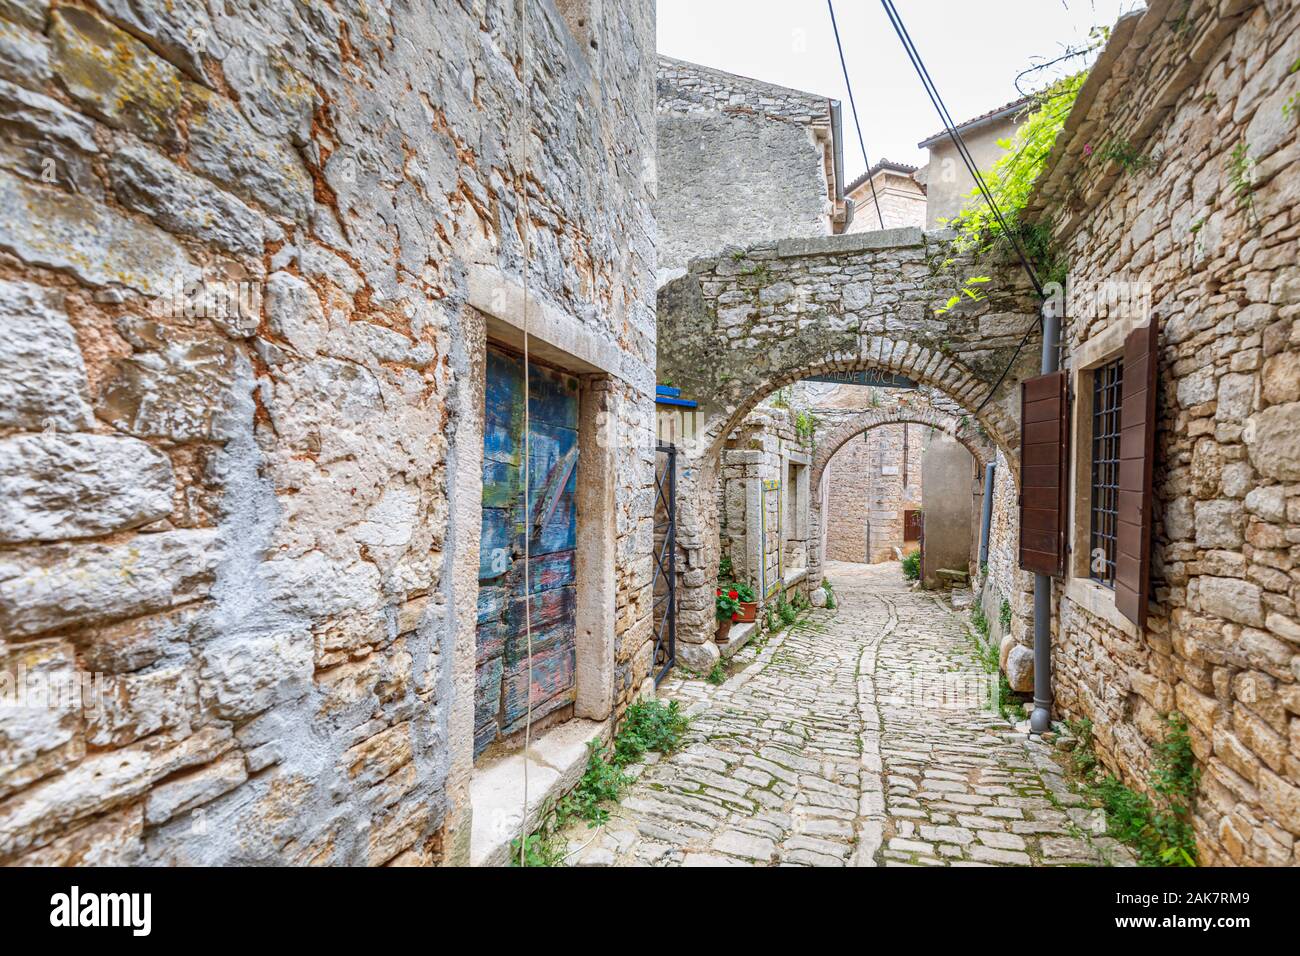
(744, 595)
(727, 609)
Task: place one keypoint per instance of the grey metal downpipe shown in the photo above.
(1041, 719)
(987, 519)
(837, 156)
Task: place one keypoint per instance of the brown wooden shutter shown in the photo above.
(1137, 447)
(1044, 445)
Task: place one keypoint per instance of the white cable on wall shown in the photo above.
(528, 595)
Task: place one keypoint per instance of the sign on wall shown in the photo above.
(868, 376)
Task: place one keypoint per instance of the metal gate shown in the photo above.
(665, 555)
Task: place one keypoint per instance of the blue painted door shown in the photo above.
(550, 523)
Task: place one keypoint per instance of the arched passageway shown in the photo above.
(859, 515)
(738, 327)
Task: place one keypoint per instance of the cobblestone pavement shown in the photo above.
(861, 737)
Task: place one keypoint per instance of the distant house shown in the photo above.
(945, 178)
(740, 161)
(902, 199)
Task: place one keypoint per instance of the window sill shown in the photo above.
(1099, 601)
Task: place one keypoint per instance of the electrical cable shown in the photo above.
(853, 106)
(524, 467)
(933, 92)
(945, 117)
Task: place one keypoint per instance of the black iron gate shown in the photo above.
(665, 555)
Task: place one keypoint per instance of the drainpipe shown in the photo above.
(1041, 719)
(837, 157)
(987, 518)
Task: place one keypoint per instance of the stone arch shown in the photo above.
(962, 429)
(746, 322)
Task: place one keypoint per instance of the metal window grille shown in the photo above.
(1107, 386)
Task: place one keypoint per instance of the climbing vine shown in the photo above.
(1011, 181)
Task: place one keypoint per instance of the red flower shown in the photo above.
(719, 592)
(733, 594)
(735, 616)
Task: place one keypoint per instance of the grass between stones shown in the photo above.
(647, 726)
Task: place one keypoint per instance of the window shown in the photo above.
(1107, 386)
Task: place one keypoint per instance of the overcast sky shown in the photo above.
(972, 48)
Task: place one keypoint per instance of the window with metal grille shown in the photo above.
(1107, 387)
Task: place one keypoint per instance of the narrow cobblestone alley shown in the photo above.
(861, 736)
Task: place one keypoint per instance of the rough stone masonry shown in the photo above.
(248, 261)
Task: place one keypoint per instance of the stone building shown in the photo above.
(740, 159)
(1199, 236)
(252, 266)
(947, 181)
(901, 198)
(872, 485)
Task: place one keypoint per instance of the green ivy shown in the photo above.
(647, 725)
(1158, 827)
(1241, 176)
(805, 423)
(912, 566)
(1004, 615)
(1010, 182)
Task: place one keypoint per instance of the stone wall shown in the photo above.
(1002, 580)
(247, 266)
(948, 479)
(902, 202)
(870, 487)
(848, 488)
(738, 160)
(1207, 232)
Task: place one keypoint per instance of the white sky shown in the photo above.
(972, 48)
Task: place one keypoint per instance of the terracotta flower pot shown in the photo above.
(724, 629)
(748, 612)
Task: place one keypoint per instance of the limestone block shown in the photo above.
(818, 597)
(117, 77)
(137, 705)
(74, 585)
(1235, 397)
(28, 13)
(181, 31)
(182, 202)
(24, 57)
(381, 755)
(1196, 388)
(200, 786)
(39, 712)
(1281, 378)
(1201, 710)
(1231, 599)
(1020, 668)
(1004, 650)
(178, 391)
(258, 169)
(276, 98)
(42, 375)
(699, 658)
(98, 245)
(1269, 503)
(47, 141)
(99, 783)
(1179, 519)
(1273, 440)
(111, 840)
(242, 675)
(55, 486)
(1219, 524)
(1281, 799)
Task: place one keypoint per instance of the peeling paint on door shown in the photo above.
(550, 521)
